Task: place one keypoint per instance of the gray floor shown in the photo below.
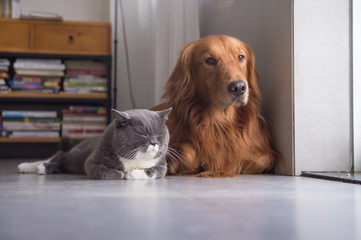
(245, 207)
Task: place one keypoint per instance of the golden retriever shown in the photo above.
(216, 125)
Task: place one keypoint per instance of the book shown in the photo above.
(19, 126)
(38, 60)
(38, 84)
(87, 109)
(81, 73)
(85, 89)
(28, 114)
(42, 16)
(4, 62)
(79, 130)
(85, 65)
(30, 134)
(84, 118)
(83, 121)
(37, 72)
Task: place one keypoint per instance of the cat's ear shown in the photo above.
(164, 114)
(120, 118)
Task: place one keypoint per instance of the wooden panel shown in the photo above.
(18, 140)
(71, 39)
(14, 36)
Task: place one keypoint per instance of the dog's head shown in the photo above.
(216, 70)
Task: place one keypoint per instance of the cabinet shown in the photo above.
(51, 40)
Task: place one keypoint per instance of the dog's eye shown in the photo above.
(241, 58)
(211, 61)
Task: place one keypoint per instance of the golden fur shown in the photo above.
(215, 135)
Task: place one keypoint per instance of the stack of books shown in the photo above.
(83, 121)
(32, 124)
(85, 77)
(4, 76)
(37, 75)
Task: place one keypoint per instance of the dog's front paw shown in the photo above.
(136, 174)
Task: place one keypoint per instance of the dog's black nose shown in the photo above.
(237, 88)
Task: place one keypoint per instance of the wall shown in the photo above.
(71, 10)
(266, 26)
(139, 26)
(357, 83)
(322, 85)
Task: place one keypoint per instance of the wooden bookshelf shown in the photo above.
(28, 140)
(54, 95)
(51, 40)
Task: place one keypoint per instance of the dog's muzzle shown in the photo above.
(237, 88)
(238, 91)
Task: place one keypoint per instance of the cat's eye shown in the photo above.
(142, 135)
(241, 58)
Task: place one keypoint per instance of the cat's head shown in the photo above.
(140, 132)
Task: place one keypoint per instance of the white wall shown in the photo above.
(322, 85)
(357, 82)
(71, 10)
(266, 26)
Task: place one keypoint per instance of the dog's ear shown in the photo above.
(252, 78)
(180, 86)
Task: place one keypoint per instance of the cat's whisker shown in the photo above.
(172, 154)
(116, 152)
(132, 154)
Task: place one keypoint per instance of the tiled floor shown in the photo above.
(245, 207)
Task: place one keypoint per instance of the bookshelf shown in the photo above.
(63, 40)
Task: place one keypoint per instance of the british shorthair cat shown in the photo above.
(133, 146)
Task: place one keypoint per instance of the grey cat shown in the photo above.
(133, 146)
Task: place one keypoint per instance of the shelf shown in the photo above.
(34, 140)
(61, 95)
(28, 140)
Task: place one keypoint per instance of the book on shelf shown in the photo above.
(83, 121)
(36, 15)
(12, 124)
(85, 65)
(30, 134)
(18, 124)
(39, 64)
(85, 77)
(4, 64)
(87, 109)
(28, 114)
(82, 130)
(37, 75)
(83, 117)
(37, 72)
(39, 84)
(4, 76)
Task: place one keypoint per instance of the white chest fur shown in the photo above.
(141, 162)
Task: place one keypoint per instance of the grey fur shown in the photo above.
(103, 157)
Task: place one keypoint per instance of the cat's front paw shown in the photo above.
(137, 174)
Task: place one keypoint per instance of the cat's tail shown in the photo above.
(65, 144)
(33, 167)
